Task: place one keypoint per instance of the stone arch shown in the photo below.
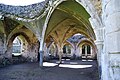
(94, 20)
(89, 7)
(69, 43)
(67, 47)
(8, 52)
(53, 45)
(17, 34)
(87, 40)
(31, 47)
(10, 41)
(19, 29)
(90, 43)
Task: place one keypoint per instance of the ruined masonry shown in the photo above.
(79, 28)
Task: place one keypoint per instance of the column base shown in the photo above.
(41, 58)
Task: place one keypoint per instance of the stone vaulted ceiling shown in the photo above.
(68, 19)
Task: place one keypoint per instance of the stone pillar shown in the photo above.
(41, 52)
(74, 54)
(41, 58)
(2, 45)
(78, 54)
(56, 51)
(86, 51)
(93, 53)
(60, 52)
(46, 52)
(72, 51)
(80, 51)
(111, 17)
(5, 41)
(99, 45)
(91, 50)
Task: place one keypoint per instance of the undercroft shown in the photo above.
(62, 29)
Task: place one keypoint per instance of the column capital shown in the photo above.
(99, 42)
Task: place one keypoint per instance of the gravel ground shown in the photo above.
(68, 70)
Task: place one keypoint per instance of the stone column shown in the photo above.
(93, 54)
(60, 56)
(56, 51)
(5, 46)
(78, 54)
(41, 52)
(111, 17)
(72, 51)
(86, 51)
(60, 52)
(80, 51)
(99, 45)
(41, 57)
(91, 50)
(46, 52)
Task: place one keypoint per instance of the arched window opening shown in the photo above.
(20, 49)
(83, 50)
(66, 51)
(17, 47)
(52, 51)
(86, 51)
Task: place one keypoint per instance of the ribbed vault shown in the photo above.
(67, 20)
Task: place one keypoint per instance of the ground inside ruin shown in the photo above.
(67, 70)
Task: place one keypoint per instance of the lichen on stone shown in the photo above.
(29, 11)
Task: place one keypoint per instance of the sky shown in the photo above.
(20, 2)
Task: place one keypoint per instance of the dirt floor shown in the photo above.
(68, 70)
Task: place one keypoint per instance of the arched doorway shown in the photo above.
(52, 51)
(66, 51)
(29, 45)
(17, 47)
(87, 48)
(86, 51)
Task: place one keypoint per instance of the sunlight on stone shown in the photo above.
(48, 64)
(86, 60)
(74, 66)
(16, 54)
(67, 59)
(90, 60)
(73, 63)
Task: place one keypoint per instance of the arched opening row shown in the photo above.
(83, 48)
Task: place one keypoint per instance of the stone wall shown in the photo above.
(3, 59)
(1, 44)
(29, 11)
(111, 19)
